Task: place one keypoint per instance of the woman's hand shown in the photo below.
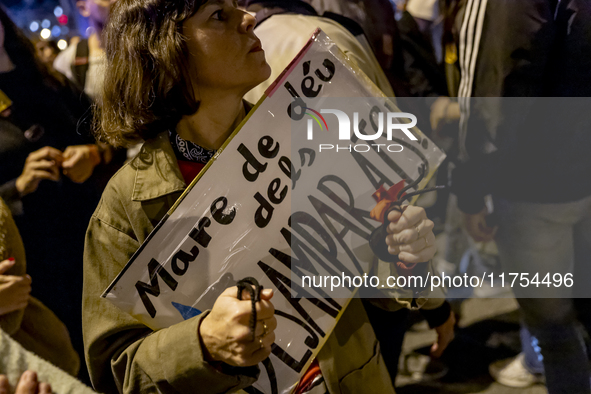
(79, 162)
(14, 290)
(445, 334)
(443, 111)
(42, 164)
(410, 235)
(27, 384)
(225, 333)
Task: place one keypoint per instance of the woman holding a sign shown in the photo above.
(175, 76)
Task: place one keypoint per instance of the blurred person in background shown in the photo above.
(23, 317)
(46, 159)
(47, 51)
(531, 154)
(82, 61)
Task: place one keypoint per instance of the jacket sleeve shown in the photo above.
(11, 245)
(504, 51)
(125, 356)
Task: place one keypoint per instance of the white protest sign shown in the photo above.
(241, 218)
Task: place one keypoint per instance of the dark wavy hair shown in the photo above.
(147, 85)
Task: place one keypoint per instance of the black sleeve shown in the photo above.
(11, 197)
(438, 316)
(504, 49)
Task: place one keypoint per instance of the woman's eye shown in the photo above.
(218, 15)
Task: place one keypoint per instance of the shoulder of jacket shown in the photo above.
(116, 198)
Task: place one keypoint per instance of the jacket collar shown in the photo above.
(157, 171)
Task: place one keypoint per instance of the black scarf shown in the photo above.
(187, 150)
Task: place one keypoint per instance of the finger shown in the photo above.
(39, 175)
(442, 342)
(265, 326)
(262, 347)
(410, 218)
(246, 292)
(43, 165)
(394, 215)
(268, 341)
(72, 160)
(267, 294)
(17, 306)
(404, 237)
(415, 246)
(69, 151)
(47, 152)
(265, 309)
(27, 383)
(230, 292)
(419, 244)
(435, 350)
(6, 265)
(44, 388)
(14, 279)
(4, 386)
(394, 250)
(420, 257)
(419, 230)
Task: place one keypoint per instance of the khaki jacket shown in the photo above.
(125, 356)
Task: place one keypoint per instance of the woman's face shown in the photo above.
(224, 52)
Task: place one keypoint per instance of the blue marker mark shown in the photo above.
(187, 312)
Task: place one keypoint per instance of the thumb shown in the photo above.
(435, 349)
(70, 161)
(394, 215)
(6, 265)
(267, 294)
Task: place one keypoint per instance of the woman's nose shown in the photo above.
(248, 22)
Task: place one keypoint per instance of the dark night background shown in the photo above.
(24, 12)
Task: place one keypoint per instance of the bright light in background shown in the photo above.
(45, 34)
(45, 24)
(58, 11)
(34, 26)
(56, 31)
(62, 44)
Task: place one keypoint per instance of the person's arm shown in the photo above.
(124, 355)
(411, 238)
(63, 61)
(15, 286)
(504, 49)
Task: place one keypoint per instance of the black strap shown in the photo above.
(254, 288)
(348, 23)
(81, 63)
